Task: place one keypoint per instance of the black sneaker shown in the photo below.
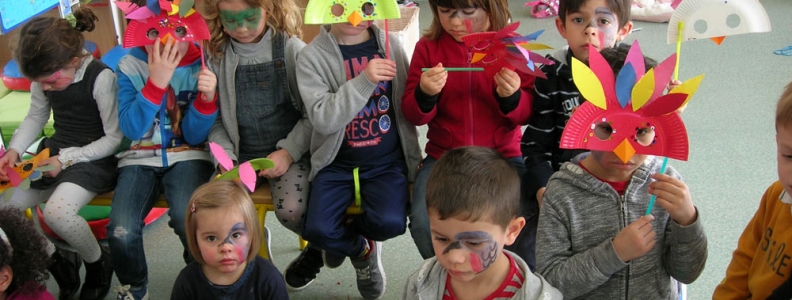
(369, 272)
(303, 269)
(98, 277)
(65, 268)
(332, 261)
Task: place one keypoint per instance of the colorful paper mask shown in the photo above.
(506, 49)
(628, 114)
(164, 20)
(715, 19)
(246, 172)
(23, 173)
(352, 11)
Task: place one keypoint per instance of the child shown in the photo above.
(23, 258)
(167, 104)
(254, 55)
(472, 109)
(352, 95)
(595, 239)
(601, 23)
(757, 269)
(473, 200)
(81, 94)
(224, 237)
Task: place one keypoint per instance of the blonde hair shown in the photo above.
(497, 11)
(282, 15)
(227, 195)
(784, 108)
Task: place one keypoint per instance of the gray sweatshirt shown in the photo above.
(428, 283)
(332, 101)
(579, 218)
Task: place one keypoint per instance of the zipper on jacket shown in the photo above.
(624, 224)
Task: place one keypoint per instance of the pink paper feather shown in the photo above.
(248, 176)
(221, 156)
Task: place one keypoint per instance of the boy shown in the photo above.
(595, 239)
(361, 148)
(473, 199)
(758, 269)
(601, 23)
(166, 105)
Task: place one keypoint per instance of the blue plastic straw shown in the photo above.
(652, 199)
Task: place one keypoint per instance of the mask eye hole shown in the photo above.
(368, 9)
(603, 130)
(645, 135)
(180, 32)
(337, 10)
(152, 34)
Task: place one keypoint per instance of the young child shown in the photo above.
(352, 95)
(80, 92)
(757, 269)
(600, 23)
(472, 109)
(167, 104)
(224, 237)
(595, 239)
(23, 258)
(253, 51)
(473, 200)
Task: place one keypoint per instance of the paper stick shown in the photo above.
(652, 199)
(456, 69)
(678, 49)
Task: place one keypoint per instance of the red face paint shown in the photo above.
(475, 263)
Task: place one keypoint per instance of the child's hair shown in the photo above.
(48, 44)
(620, 7)
(497, 12)
(27, 253)
(616, 57)
(228, 195)
(474, 183)
(784, 109)
(282, 15)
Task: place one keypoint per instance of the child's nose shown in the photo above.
(591, 30)
(457, 256)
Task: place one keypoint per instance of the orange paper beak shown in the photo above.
(624, 151)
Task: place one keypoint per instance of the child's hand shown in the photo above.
(207, 84)
(163, 63)
(673, 84)
(52, 160)
(433, 81)
(282, 160)
(673, 195)
(379, 69)
(7, 161)
(507, 81)
(635, 240)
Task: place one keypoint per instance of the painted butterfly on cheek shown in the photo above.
(162, 20)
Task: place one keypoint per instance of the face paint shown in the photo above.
(56, 81)
(483, 249)
(234, 238)
(248, 18)
(604, 21)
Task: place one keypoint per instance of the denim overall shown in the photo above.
(265, 112)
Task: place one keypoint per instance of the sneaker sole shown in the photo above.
(291, 288)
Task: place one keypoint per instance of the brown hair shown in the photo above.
(620, 7)
(474, 183)
(616, 57)
(497, 12)
(227, 195)
(48, 44)
(282, 15)
(784, 108)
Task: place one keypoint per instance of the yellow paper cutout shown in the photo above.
(688, 87)
(643, 90)
(588, 84)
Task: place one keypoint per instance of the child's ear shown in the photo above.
(513, 229)
(6, 275)
(560, 26)
(624, 31)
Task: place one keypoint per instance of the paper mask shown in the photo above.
(352, 11)
(164, 20)
(506, 49)
(246, 172)
(628, 114)
(715, 19)
(23, 173)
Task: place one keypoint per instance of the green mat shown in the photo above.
(15, 106)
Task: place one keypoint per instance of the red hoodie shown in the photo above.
(467, 111)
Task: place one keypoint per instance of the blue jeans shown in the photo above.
(419, 218)
(138, 189)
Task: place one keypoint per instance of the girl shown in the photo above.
(224, 236)
(23, 258)
(253, 51)
(81, 93)
(473, 109)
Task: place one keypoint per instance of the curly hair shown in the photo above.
(29, 259)
(48, 44)
(282, 15)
